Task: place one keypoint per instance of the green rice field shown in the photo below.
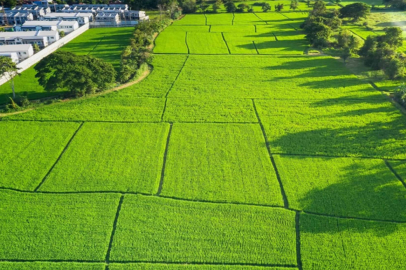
(238, 152)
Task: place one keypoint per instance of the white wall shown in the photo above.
(47, 51)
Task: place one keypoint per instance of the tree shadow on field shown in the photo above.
(364, 191)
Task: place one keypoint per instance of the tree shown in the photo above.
(393, 36)
(278, 7)
(400, 94)
(62, 34)
(230, 6)
(343, 38)
(370, 44)
(317, 31)
(319, 8)
(203, 5)
(10, 3)
(80, 75)
(394, 69)
(337, 2)
(354, 44)
(217, 5)
(242, 7)
(8, 69)
(294, 4)
(266, 7)
(355, 11)
(36, 48)
(346, 53)
(189, 6)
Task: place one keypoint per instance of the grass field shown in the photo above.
(104, 43)
(237, 152)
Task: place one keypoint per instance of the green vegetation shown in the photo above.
(55, 226)
(122, 158)
(221, 158)
(224, 163)
(359, 244)
(111, 41)
(52, 266)
(152, 229)
(32, 148)
(335, 127)
(364, 188)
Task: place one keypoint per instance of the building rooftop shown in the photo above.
(28, 34)
(15, 48)
(64, 14)
(48, 23)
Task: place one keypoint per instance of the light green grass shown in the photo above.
(233, 29)
(336, 244)
(51, 266)
(247, 18)
(220, 162)
(192, 19)
(146, 266)
(206, 43)
(152, 229)
(278, 77)
(121, 158)
(209, 110)
(56, 227)
(220, 19)
(171, 42)
(241, 43)
(336, 127)
(29, 150)
(364, 188)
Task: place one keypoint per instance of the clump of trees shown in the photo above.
(400, 95)
(381, 52)
(138, 52)
(79, 75)
(398, 4)
(320, 24)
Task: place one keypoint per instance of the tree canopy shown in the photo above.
(355, 11)
(79, 75)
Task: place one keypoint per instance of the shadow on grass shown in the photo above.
(370, 193)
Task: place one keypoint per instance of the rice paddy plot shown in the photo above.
(56, 227)
(206, 43)
(247, 18)
(242, 43)
(191, 19)
(52, 266)
(233, 29)
(171, 42)
(158, 266)
(118, 157)
(237, 76)
(334, 127)
(360, 31)
(336, 244)
(209, 110)
(220, 19)
(272, 18)
(280, 47)
(364, 188)
(106, 108)
(29, 150)
(153, 229)
(186, 28)
(220, 162)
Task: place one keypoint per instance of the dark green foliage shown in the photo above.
(189, 6)
(319, 8)
(230, 6)
(278, 7)
(266, 7)
(80, 75)
(346, 53)
(395, 68)
(400, 95)
(294, 4)
(317, 31)
(355, 11)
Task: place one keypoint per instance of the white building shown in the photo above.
(81, 18)
(135, 15)
(110, 18)
(12, 55)
(36, 11)
(66, 26)
(11, 18)
(41, 38)
(20, 51)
